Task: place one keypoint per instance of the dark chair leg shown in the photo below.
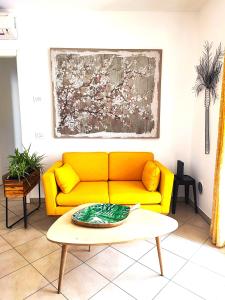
(195, 197)
(186, 187)
(174, 203)
(25, 211)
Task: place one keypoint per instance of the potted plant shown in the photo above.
(208, 75)
(23, 173)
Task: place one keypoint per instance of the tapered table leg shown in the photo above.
(159, 254)
(62, 266)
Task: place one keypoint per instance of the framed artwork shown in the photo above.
(104, 93)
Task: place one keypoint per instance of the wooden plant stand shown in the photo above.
(14, 188)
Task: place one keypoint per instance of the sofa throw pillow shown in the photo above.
(66, 178)
(151, 176)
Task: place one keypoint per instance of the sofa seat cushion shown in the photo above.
(85, 192)
(131, 192)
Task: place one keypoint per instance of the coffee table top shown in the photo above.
(140, 224)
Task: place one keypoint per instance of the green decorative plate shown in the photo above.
(101, 215)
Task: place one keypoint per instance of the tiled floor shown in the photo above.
(29, 264)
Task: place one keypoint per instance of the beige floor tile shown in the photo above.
(135, 282)
(82, 283)
(110, 263)
(3, 214)
(211, 257)
(2, 210)
(179, 219)
(201, 281)
(11, 261)
(37, 248)
(82, 251)
(1, 191)
(176, 292)
(2, 200)
(46, 293)
(21, 236)
(44, 224)
(198, 221)
(48, 266)
(15, 203)
(140, 282)
(171, 262)
(112, 292)
(134, 249)
(180, 246)
(4, 246)
(37, 216)
(13, 218)
(192, 233)
(183, 213)
(21, 284)
(16, 206)
(153, 241)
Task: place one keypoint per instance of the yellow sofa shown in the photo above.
(114, 177)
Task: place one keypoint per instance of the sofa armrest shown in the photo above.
(50, 188)
(165, 187)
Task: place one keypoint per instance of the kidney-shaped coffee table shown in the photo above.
(140, 224)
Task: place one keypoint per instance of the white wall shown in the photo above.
(9, 116)
(55, 25)
(168, 31)
(212, 28)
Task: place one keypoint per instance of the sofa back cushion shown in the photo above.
(128, 165)
(89, 166)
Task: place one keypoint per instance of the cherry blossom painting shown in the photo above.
(106, 93)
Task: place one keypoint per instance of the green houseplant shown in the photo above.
(23, 173)
(22, 164)
(208, 75)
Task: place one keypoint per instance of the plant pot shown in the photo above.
(14, 188)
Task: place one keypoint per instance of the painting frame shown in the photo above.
(70, 51)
